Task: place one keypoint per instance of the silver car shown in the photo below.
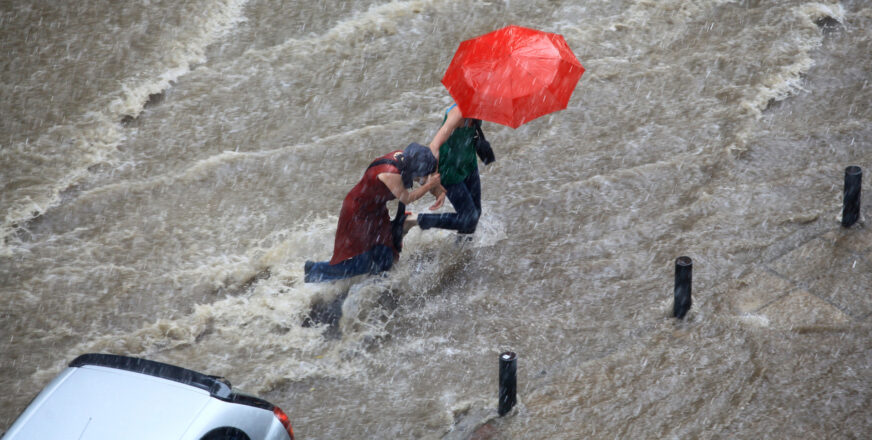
(110, 397)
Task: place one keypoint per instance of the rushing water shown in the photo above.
(167, 167)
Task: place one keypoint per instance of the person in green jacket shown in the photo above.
(453, 146)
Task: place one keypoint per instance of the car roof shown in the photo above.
(95, 402)
(216, 386)
(104, 396)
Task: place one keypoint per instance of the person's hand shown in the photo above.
(433, 180)
(440, 199)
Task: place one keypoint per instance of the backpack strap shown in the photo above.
(482, 146)
(385, 161)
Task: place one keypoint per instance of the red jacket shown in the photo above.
(364, 220)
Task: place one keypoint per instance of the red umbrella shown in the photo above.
(512, 75)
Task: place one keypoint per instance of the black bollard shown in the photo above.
(683, 278)
(508, 382)
(851, 209)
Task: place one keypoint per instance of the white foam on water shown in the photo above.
(265, 318)
(755, 319)
(787, 80)
(264, 321)
(346, 35)
(91, 138)
(428, 257)
(189, 50)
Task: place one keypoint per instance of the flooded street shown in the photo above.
(166, 168)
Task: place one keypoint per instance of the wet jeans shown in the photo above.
(466, 199)
(378, 259)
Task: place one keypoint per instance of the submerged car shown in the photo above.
(111, 397)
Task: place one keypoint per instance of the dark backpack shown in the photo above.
(482, 146)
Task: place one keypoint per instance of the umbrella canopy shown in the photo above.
(512, 75)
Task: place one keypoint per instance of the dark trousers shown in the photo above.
(378, 259)
(466, 199)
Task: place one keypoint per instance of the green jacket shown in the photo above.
(457, 159)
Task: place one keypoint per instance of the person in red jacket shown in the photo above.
(366, 239)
